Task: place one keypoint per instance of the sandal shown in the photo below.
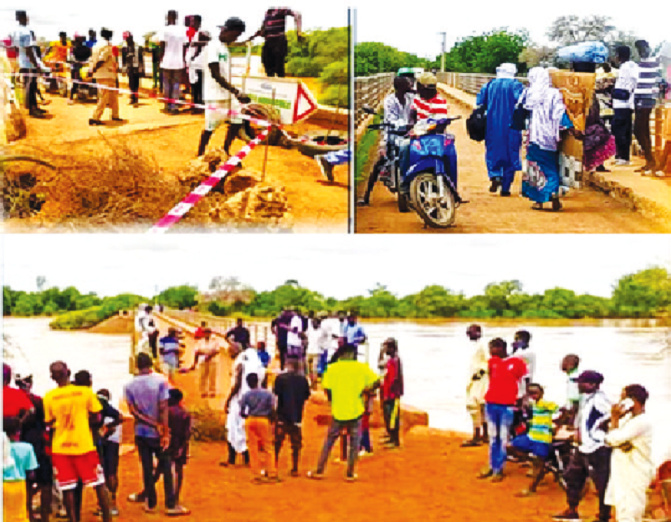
(315, 475)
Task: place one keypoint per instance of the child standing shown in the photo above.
(365, 446)
(257, 407)
(15, 507)
(179, 422)
(264, 356)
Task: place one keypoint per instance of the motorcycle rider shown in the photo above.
(397, 112)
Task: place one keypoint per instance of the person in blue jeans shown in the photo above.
(505, 374)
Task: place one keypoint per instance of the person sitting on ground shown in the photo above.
(539, 437)
(631, 465)
(505, 374)
(16, 478)
(257, 407)
(292, 391)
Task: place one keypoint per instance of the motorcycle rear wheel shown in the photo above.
(424, 198)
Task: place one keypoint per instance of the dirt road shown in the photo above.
(315, 203)
(585, 210)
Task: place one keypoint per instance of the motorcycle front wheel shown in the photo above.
(435, 211)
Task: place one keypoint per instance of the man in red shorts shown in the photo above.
(74, 457)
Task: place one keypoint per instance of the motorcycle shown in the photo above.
(422, 169)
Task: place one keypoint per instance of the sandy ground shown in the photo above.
(585, 210)
(430, 478)
(315, 203)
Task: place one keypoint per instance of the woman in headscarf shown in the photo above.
(502, 143)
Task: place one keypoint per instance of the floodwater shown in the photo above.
(436, 364)
(435, 361)
(33, 346)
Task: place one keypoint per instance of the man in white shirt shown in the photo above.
(218, 92)
(623, 104)
(397, 108)
(476, 388)
(208, 348)
(23, 40)
(172, 51)
(631, 465)
(296, 340)
(318, 343)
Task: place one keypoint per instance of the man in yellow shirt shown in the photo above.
(345, 382)
(67, 410)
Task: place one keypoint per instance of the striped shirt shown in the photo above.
(274, 23)
(647, 88)
(435, 107)
(540, 429)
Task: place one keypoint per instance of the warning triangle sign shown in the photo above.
(305, 103)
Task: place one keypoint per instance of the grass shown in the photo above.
(364, 151)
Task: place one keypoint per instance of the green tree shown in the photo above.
(484, 53)
(181, 297)
(318, 49)
(571, 29)
(643, 294)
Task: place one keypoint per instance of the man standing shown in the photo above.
(68, 409)
(592, 459)
(104, 71)
(623, 104)
(280, 327)
(92, 41)
(292, 391)
(147, 398)
(29, 67)
(218, 90)
(275, 49)
(239, 335)
(500, 96)
(631, 466)
(645, 99)
(476, 388)
(346, 382)
(504, 377)
(296, 340)
(246, 362)
(392, 391)
(172, 51)
(132, 56)
(208, 348)
(194, 62)
(353, 332)
(397, 109)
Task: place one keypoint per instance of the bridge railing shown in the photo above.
(370, 91)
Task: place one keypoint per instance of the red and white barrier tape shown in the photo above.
(184, 206)
(236, 114)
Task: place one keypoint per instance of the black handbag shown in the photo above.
(520, 115)
(476, 124)
(621, 94)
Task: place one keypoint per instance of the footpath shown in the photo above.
(651, 196)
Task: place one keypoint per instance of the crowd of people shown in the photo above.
(57, 445)
(584, 436)
(620, 110)
(188, 63)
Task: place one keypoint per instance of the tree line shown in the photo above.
(643, 294)
(482, 53)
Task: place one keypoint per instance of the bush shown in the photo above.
(207, 425)
(79, 319)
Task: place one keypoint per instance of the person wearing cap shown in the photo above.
(502, 143)
(219, 94)
(132, 58)
(428, 103)
(273, 30)
(208, 348)
(172, 53)
(592, 457)
(104, 71)
(631, 465)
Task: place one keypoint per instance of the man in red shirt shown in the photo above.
(15, 402)
(392, 389)
(504, 377)
(427, 103)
